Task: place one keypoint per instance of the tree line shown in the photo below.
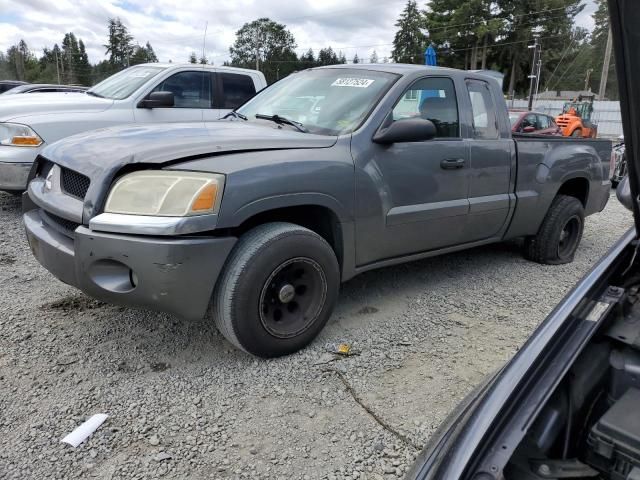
(467, 34)
(68, 62)
(495, 34)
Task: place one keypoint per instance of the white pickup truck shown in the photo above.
(147, 93)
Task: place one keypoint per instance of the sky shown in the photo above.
(175, 30)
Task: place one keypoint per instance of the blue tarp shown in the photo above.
(430, 57)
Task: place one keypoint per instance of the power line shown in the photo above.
(582, 49)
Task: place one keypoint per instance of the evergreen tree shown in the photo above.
(342, 59)
(373, 58)
(151, 54)
(203, 61)
(356, 59)
(409, 41)
(119, 44)
(553, 21)
(83, 68)
(307, 60)
(193, 58)
(328, 57)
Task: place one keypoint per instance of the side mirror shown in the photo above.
(158, 100)
(529, 129)
(409, 130)
(623, 192)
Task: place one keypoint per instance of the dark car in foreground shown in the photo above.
(568, 404)
(9, 84)
(44, 88)
(533, 122)
(258, 219)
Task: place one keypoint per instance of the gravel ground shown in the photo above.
(182, 403)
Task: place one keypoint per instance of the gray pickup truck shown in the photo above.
(256, 219)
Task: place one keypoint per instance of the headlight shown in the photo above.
(166, 194)
(16, 135)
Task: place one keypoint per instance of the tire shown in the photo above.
(577, 133)
(560, 233)
(277, 290)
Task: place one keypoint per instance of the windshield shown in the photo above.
(326, 101)
(124, 83)
(513, 118)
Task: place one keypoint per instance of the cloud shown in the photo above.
(176, 28)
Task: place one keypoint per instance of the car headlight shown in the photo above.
(166, 194)
(16, 135)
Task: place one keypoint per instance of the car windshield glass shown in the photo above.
(326, 101)
(513, 118)
(124, 83)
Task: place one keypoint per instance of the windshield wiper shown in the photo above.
(89, 92)
(235, 114)
(283, 121)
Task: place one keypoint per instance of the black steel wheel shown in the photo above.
(277, 290)
(560, 233)
(292, 297)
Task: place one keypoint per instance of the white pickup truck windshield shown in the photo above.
(124, 83)
(326, 101)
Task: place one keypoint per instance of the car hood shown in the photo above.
(624, 16)
(101, 154)
(13, 107)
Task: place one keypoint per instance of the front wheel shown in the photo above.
(560, 233)
(277, 290)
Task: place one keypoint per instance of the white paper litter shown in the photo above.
(81, 433)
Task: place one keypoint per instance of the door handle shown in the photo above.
(452, 163)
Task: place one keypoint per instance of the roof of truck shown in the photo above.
(398, 68)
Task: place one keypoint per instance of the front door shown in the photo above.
(420, 188)
(192, 95)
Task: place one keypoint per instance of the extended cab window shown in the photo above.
(485, 121)
(236, 89)
(190, 89)
(432, 99)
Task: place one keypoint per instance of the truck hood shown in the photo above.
(101, 154)
(12, 107)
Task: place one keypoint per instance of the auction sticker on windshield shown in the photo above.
(352, 82)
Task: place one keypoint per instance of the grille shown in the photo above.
(74, 183)
(67, 226)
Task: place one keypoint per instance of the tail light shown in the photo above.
(612, 164)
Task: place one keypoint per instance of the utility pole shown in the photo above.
(57, 68)
(204, 40)
(587, 78)
(605, 67)
(535, 69)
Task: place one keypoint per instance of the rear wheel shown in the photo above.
(277, 290)
(560, 233)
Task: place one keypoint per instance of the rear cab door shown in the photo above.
(232, 89)
(492, 160)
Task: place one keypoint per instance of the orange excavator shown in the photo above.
(575, 119)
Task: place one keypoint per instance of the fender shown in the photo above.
(265, 204)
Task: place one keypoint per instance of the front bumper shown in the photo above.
(15, 165)
(168, 274)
